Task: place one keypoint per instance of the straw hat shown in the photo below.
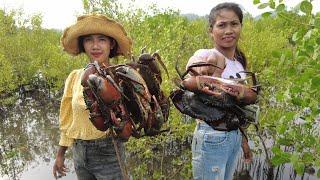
(95, 24)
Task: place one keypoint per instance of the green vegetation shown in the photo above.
(291, 81)
(282, 47)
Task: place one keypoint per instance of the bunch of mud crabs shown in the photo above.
(205, 97)
(127, 97)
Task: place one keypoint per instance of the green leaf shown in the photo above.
(294, 158)
(276, 53)
(308, 157)
(317, 163)
(302, 52)
(318, 151)
(276, 150)
(299, 167)
(318, 173)
(290, 115)
(309, 49)
(295, 36)
(281, 128)
(284, 141)
(306, 76)
(280, 7)
(284, 157)
(263, 5)
(318, 39)
(256, 2)
(296, 101)
(308, 34)
(272, 4)
(266, 14)
(301, 59)
(315, 82)
(293, 72)
(279, 96)
(288, 54)
(295, 89)
(317, 22)
(306, 7)
(85, 4)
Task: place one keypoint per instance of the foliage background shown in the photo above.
(282, 46)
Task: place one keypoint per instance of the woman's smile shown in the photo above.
(96, 54)
(228, 38)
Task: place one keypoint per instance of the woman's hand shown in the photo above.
(59, 168)
(241, 92)
(234, 90)
(246, 151)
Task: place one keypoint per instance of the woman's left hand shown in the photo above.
(246, 152)
(241, 92)
(234, 90)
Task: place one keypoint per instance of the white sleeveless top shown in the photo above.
(232, 66)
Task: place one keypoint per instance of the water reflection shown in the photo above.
(260, 170)
(29, 135)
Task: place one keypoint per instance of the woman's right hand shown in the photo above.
(59, 168)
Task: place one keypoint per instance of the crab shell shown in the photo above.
(149, 60)
(142, 87)
(90, 69)
(99, 117)
(105, 89)
(136, 81)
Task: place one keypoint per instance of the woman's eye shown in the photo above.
(103, 39)
(87, 39)
(235, 24)
(221, 25)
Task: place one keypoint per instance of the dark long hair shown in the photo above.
(113, 51)
(239, 55)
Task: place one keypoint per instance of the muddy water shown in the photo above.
(29, 135)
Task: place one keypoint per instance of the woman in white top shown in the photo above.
(214, 152)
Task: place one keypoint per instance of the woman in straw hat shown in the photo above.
(94, 155)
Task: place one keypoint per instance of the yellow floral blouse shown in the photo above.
(74, 118)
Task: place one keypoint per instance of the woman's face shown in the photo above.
(97, 47)
(226, 29)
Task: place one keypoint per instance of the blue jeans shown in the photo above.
(214, 153)
(97, 160)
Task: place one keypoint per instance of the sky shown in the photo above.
(59, 14)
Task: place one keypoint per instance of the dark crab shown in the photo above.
(205, 97)
(147, 102)
(103, 98)
(126, 97)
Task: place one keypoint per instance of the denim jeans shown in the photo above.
(214, 153)
(97, 160)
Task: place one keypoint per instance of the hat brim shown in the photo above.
(95, 24)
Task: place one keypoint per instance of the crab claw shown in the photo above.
(104, 88)
(157, 56)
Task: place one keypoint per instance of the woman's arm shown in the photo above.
(65, 120)
(59, 168)
(246, 150)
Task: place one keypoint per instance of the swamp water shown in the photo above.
(30, 133)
